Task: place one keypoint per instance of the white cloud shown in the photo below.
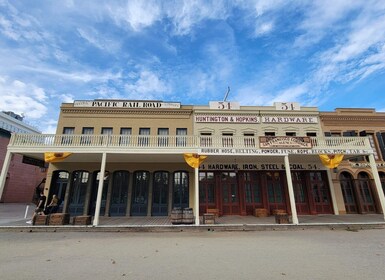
(23, 98)
(292, 94)
(66, 98)
(100, 41)
(147, 85)
(137, 14)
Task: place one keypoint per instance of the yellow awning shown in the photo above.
(55, 157)
(194, 160)
(331, 161)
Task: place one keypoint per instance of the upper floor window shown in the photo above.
(68, 130)
(86, 140)
(125, 133)
(290, 134)
(227, 139)
(311, 134)
(249, 139)
(206, 140)
(269, 133)
(163, 137)
(67, 140)
(181, 134)
(349, 133)
(107, 130)
(144, 136)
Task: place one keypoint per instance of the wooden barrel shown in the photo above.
(188, 216)
(282, 218)
(176, 215)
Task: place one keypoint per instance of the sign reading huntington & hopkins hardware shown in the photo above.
(126, 104)
(284, 142)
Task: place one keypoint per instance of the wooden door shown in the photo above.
(229, 193)
(300, 193)
(320, 193)
(160, 194)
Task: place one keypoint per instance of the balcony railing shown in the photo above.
(29, 141)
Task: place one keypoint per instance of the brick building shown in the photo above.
(22, 178)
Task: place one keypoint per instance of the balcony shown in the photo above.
(179, 144)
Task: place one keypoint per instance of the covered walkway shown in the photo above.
(15, 216)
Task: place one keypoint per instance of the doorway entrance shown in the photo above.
(229, 193)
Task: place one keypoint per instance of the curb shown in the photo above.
(193, 228)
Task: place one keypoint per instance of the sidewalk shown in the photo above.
(14, 215)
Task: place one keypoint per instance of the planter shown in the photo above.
(58, 219)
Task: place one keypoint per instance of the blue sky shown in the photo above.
(322, 53)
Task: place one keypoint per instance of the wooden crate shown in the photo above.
(58, 219)
(208, 218)
(40, 220)
(213, 211)
(260, 212)
(82, 220)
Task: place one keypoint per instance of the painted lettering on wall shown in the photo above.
(125, 104)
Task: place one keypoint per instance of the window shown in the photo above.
(68, 130)
(206, 140)
(119, 193)
(181, 134)
(78, 192)
(163, 137)
(269, 133)
(227, 139)
(311, 134)
(181, 189)
(86, 140)
(67, 140)
(106, 131)
(249, 139)
(349, 133)
(125, 133)
(290, 133)
(144, 138)
(140, 193)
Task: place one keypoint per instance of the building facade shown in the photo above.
(258, 157)
(353, 179)
(24, 174)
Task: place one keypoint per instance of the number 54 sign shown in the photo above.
(224, 105)
(287, 106)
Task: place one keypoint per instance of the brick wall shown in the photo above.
(22, 179)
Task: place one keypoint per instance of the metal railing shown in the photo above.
(167, 142)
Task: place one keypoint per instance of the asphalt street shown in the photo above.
(307, 254)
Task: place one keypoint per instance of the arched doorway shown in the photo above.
(59, 186)
(119, 193)
(180, 189)
(78, 192)
(160, 193)
(140, 193)
(365, 191)
(348, 193)
(94, 193)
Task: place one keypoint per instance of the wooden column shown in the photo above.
(100, 190)
(291, 191)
